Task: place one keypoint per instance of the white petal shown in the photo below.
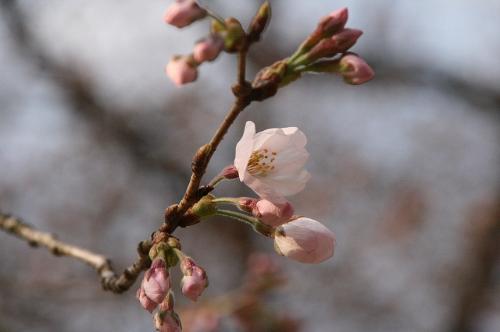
(263, 189)
(244, 149)
(272, 139)
(298, 137)
(289, 185)
(305, 240)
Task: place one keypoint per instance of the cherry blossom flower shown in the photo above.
(304, 240)
(271, 162)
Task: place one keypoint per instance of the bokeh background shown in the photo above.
(95, 142)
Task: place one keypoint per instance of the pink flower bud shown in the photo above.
(229, 172)
(156, 281)
(167, 321)
(247, 204)
(304, 240)
(338, 43)
(273, 214)
(327, 26)
(195, 279)
(355, 70)
(183, 12)
(208, 49)
(146, 303)
(181, 70)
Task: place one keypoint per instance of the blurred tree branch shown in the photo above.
(109, 279)
(484, 255)
(80, 93)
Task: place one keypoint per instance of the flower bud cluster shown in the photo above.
(183, 69)
(155, 291)
(330, 39)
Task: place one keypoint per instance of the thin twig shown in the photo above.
(205, 153)
(109, 279)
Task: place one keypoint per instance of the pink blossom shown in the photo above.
(167, 321)
(181, 70)
(183, 12)
(355, 70)
(208, 49)
(156, 281)
(271, 162)
(195, 279)
(304, 240)
(273, 214)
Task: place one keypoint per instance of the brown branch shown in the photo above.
(174, 215)
(109, 279)
(243, 92)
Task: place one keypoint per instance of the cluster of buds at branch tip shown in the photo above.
(183, 12)
(327, 26)
(329, 47)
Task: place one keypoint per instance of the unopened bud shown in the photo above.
(229, 172)
(182, 70)
(259, 22)
(183, 12)
(268, 80)
(208, 49)
(355, 70)
(145, 301)
(272, 214)
(155, 285)
(167, 321)
(205, 207)
(338, 43)
(304, 240)
(231, 32)
(195, 279)
(327, 26)
(247, 204)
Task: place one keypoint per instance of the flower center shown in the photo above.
(261, 162)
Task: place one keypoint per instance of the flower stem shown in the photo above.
(215, 181)
(238, 216)
(226, 200)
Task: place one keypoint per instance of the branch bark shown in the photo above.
(109, 279)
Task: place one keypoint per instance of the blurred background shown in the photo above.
(95, 142)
